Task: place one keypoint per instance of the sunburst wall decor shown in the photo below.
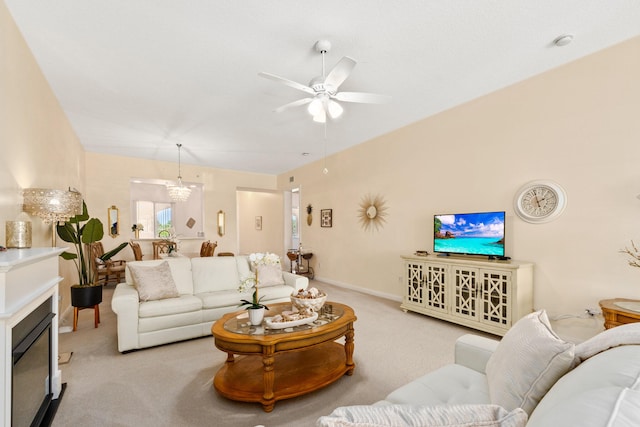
(372, 212)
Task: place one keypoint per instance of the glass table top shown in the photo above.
(240, 323)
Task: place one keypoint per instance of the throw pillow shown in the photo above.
(269, 275)
(153, 283)
(423, 416)
(527, 363)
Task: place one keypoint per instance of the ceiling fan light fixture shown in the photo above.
(315, 107)
(321, 117)
(335, 109)
(324, 89)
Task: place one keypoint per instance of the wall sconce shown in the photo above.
(220, 223)
(52, 206)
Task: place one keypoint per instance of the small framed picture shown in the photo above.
(258, 223)
(326, 218)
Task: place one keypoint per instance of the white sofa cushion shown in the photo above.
(589, 394)
(180, 271)
(451, 384)
(154, 282)
(166, 307)
(423, 416)
(276, 292)
(244, 269)
(212, 274)
(627, 409)
(228, 298)
(528, 361)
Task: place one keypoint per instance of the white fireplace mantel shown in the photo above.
(28, 277)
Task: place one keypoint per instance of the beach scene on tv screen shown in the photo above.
(478, 233)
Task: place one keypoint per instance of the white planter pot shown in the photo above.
(256, 315)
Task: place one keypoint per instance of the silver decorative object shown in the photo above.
(18, 234)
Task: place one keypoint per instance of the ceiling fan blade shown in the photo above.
(340, 72)
(297, 103)
(365, 98)
(288, 82)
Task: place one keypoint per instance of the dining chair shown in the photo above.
(137, 251)
(163, 247)
(104, 271)
(208, 248)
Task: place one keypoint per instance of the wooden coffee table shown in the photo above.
(276, 364)
(615, 315)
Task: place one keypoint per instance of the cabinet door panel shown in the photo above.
(436, 287)
(414, 282)
(496, 297)
(465, 292)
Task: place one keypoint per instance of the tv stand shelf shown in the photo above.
(488, 295)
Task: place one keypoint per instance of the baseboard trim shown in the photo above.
(359, 289)
(64, 319)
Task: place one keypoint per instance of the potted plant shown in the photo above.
(84, 293)
(255, 307)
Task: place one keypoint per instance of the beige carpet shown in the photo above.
(171, 385)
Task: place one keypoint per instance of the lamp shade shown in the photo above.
(52, 205)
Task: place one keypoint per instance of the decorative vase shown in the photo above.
(309, 219)
(256, 315)
(137, 233)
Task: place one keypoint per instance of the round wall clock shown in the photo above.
(540, 201)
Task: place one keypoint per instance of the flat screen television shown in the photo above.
(479, 233)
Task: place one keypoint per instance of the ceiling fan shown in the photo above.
(324, 89)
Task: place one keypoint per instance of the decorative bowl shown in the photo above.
(308, 304)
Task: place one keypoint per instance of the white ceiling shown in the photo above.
(136, 77)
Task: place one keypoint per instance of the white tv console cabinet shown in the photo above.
(483, 294)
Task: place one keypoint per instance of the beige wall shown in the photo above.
(108, 180)
(39, 148)
(269, 206)
(577, 125)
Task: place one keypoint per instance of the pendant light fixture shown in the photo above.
(178, 192)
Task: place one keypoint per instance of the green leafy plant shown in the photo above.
(82, 230)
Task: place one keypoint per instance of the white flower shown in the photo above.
(267, 258)
(247, 283)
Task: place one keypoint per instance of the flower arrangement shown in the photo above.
(137, 227)
(252, 281)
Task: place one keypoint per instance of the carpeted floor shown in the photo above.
(171, 385)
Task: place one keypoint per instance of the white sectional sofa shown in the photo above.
(205, 289)
(531, 378)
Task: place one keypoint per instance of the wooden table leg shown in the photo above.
(96, 315)
(75, 319)
(268, 377)
(349, 346)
